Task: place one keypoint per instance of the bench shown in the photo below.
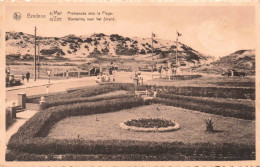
(140, 93)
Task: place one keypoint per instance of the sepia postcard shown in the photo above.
(129, 83)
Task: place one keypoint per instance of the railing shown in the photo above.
(175, 77)
(72, 74)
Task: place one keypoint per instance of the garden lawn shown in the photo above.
(192, 127)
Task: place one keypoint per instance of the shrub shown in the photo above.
(100, 35)
(124, 50)
(116, 37)
(88, 40)
(127, 39)
(96, 43)
(209, 125)
(52, 51)
(142, 51)
(105, 50)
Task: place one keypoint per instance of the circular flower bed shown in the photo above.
(150, 125)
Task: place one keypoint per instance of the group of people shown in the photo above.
(105, 76)
(167, 70)
(27, 77)
(11, 81)
(137, 75)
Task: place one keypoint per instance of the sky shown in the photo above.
(212, 30)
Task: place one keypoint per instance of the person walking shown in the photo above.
(114, 76)
(8, 71)
(11, 79)
(27, 76)
(169, 73)
(23, 78)
(67, 74)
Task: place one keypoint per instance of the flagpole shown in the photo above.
(35, 54)
(152, 45)
(177, 51)
(38, 59)
(178, 34)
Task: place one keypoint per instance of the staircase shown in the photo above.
(19, 109)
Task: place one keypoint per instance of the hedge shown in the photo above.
(27, 138)
(181, 77)
(85, 99)
(213, 102)
(207, 108)
(87, 92)
(217, 92)
(79, 150)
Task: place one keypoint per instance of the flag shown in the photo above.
(179, 34)
(153, 35)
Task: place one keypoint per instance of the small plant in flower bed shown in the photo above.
(209, 125)
(149, 123)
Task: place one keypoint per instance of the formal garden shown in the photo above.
(111, 123)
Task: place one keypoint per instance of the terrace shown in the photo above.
(85, 125)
